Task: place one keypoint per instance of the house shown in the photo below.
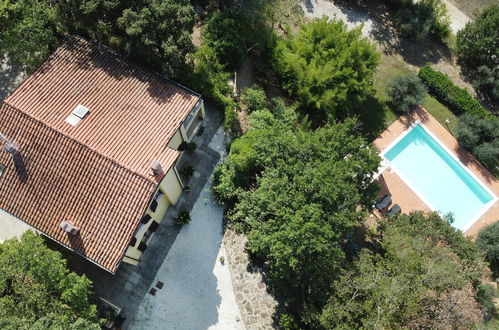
(89, 148)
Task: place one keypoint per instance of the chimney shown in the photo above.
(156, 168)
(69, 228)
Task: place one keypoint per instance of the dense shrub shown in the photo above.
(327, 67)
(458, 99)
(478, 43)
(254, 98)
(418, 19)
(183, 217)
(208, 77)
(488, 242)
(225, 34)
(406, 92)
(481, 137)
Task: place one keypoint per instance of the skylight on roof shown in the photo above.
(2, 169)
(77, 115)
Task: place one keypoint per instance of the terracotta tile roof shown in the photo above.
(95, 175)
(133, 112)
(68, 181)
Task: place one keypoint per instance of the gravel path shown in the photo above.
(197, 291)
(319, 8)
(458, 19)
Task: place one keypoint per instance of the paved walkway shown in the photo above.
(197, 291)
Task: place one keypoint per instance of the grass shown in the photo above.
(377, 115)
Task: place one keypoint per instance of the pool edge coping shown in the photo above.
(415, 123)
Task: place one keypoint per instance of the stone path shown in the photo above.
(257, 306)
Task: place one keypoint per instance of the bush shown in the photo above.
(481, 137)
(458, 99)
(418, 20)
(187, 171)
(488, 242)
(208, 78)
(477, 42)
(406, 92)
(225, 34)
(485, 297)
(254, 98)
(183, 217)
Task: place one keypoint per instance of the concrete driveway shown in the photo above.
(197, 290)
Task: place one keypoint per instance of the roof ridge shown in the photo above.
(79, 143)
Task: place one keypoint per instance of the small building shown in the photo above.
(89, 144)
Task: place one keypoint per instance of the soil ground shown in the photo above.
(473, 8)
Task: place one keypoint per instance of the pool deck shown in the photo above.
(402, 194)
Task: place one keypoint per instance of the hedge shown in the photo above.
(457, 99)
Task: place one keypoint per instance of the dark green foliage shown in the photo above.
(31, 29)
(487, 82)
(187, 171)
(254, 98)
(421, 275)
(296, 195)
(478, 42)
(480, 137)
(158, 33)
(327, 67)
(488, 242)
(209, 78)
(153, 32)
(486, 294)
(183, 217)
(458, 99)
(406, 92)
(418, 19)
(191, 147)
(225, 34)
(38, 292)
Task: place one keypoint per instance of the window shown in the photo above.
(154, 226)
(133, 241)
(145, 219)
(154, 202)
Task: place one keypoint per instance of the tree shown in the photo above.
(254, 98)
(225, 34)
(481, 137)
(158, 32)
(153, 32)
(327, 67)
(422, 274)
(487, 81)
(477, 44)
(38, 292)
(296, 194)
(488, 242)
(406, 92)
(30, 30)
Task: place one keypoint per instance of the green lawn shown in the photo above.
(376, 114)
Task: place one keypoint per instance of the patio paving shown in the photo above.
(405, 197)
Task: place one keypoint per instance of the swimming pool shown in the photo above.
(438, 178)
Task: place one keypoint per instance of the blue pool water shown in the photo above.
(431, 172)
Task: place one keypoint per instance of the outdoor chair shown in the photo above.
(383, 202)
(394, 210)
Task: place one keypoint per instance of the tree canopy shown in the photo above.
(488, 242)
(422, 274)
(478, 43)
(406, 92)
(327, 67)
(38, 292)
(296, 194)
(153, 32)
